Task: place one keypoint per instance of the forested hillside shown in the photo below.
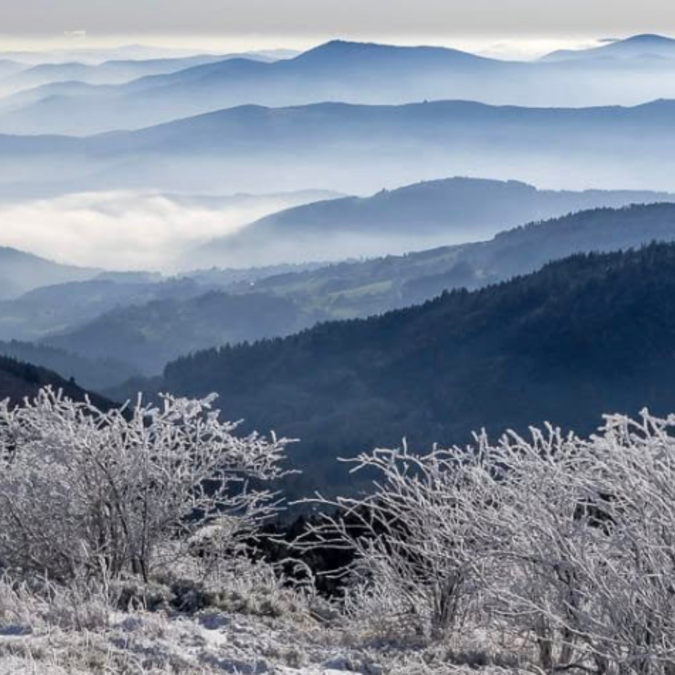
(19, 380)
(361, 288)
(148, 336)
(182, 317)
(584, 336)
(92, 374)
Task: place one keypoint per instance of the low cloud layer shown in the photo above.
(128, 230)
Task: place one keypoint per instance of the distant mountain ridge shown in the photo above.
(15, 77)
(21, 272)
(240, 149)
(414, 217)
(635, 47)
(326, 73)
(336, 53)
(358, 73)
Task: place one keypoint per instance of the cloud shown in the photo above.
(128, 230)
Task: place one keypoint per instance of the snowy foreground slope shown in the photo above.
(547, 554)
(104, 568)
(70, 635)
(209, 643)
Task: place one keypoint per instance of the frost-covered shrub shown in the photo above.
(562, 545)
(587, 560)
(30, 604)
(237, 586)
(95, 493)
(418, 553)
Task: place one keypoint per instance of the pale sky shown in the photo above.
(264, 23)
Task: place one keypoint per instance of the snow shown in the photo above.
(210, 642)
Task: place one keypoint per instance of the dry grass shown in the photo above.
(245, 622)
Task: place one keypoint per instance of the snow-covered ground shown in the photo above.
(265, 633)
(209, 642)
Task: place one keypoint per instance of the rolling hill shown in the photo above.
(149, 335)
(63, 307)
(19, 380)
(22, 272)
(581, 337)
(92, 374)
(54, 308)
(360, 289)
(414, 217)
(356, 149)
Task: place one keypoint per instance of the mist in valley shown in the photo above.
(133, 230)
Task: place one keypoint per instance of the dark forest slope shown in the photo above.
(19, 380)
(584, 336)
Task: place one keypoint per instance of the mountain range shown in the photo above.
(45, 78)
(654, 49)
(342, 118)
(415, 217)
(323, 145)
(625, 72)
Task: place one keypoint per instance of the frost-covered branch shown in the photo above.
(564, 541)
(82, 489)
